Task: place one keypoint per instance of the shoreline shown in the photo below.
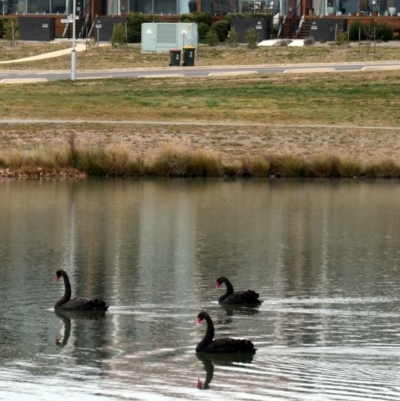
(82, 160)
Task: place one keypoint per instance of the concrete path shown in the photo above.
(274, 42)
(197, 123)
(79, 48)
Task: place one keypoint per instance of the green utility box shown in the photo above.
(188, 56)
(175, 57)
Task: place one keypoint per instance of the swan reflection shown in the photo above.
(212, 360)
(67, 315)
(232, 310)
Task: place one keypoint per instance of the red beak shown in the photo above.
(217, 285)
(199, 383)
(198, 320)
(57, 278)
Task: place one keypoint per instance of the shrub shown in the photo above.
(384, 32)
(187, 18)
(118, 37)
(202, 30)
(341, 38)
(199, 18)
(221, 28)
(203, 18)
(134, 26)
(354, 31)
(212, 38)
(251, 38)
(232, 37)
(309, 41)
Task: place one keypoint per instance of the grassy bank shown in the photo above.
(311, 125)
(359, 98)
(172, 161)
(108, 58)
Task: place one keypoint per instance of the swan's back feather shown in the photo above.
(84, 304)
(230, 345)
(242, 297)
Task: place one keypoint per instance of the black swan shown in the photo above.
(66, 303)
(238, 297)
(221, 345)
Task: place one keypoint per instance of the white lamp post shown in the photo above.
(73, 51)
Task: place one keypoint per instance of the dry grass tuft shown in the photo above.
(174, 161)
(256, 166)
(382, 169)
(348, 167)
(287, 165)
(324, 165)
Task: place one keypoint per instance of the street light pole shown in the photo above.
(73, 51)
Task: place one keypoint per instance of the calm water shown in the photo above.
(324, 256)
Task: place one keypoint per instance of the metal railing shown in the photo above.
(300, 24)
(65, 29)
(281, 26)
(85, 24)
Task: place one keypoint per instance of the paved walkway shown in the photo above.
(197, 123)
(79, 47)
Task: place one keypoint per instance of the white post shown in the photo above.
(73, 52)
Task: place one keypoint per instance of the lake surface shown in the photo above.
(323, 255)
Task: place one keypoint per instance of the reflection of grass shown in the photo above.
(171, 160)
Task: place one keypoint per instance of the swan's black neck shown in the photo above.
(67, 294)
(229, 290)
(208, 337)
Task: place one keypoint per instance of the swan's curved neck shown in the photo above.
(67, 294)
(208, 337)
(229, 291)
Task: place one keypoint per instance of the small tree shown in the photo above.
(212, 38)
(118, 37)
(251, 38)
(341, 38)
(11, 32)
(232, 37)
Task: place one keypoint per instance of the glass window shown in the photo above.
(59, 6)
(39, 6)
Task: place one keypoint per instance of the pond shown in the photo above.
(323, 255)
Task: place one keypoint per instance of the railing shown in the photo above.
(85, 24)
(281, 26)
(91, 28)
(65, 29)
(300, 24)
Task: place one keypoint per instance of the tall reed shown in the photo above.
(174, 161)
